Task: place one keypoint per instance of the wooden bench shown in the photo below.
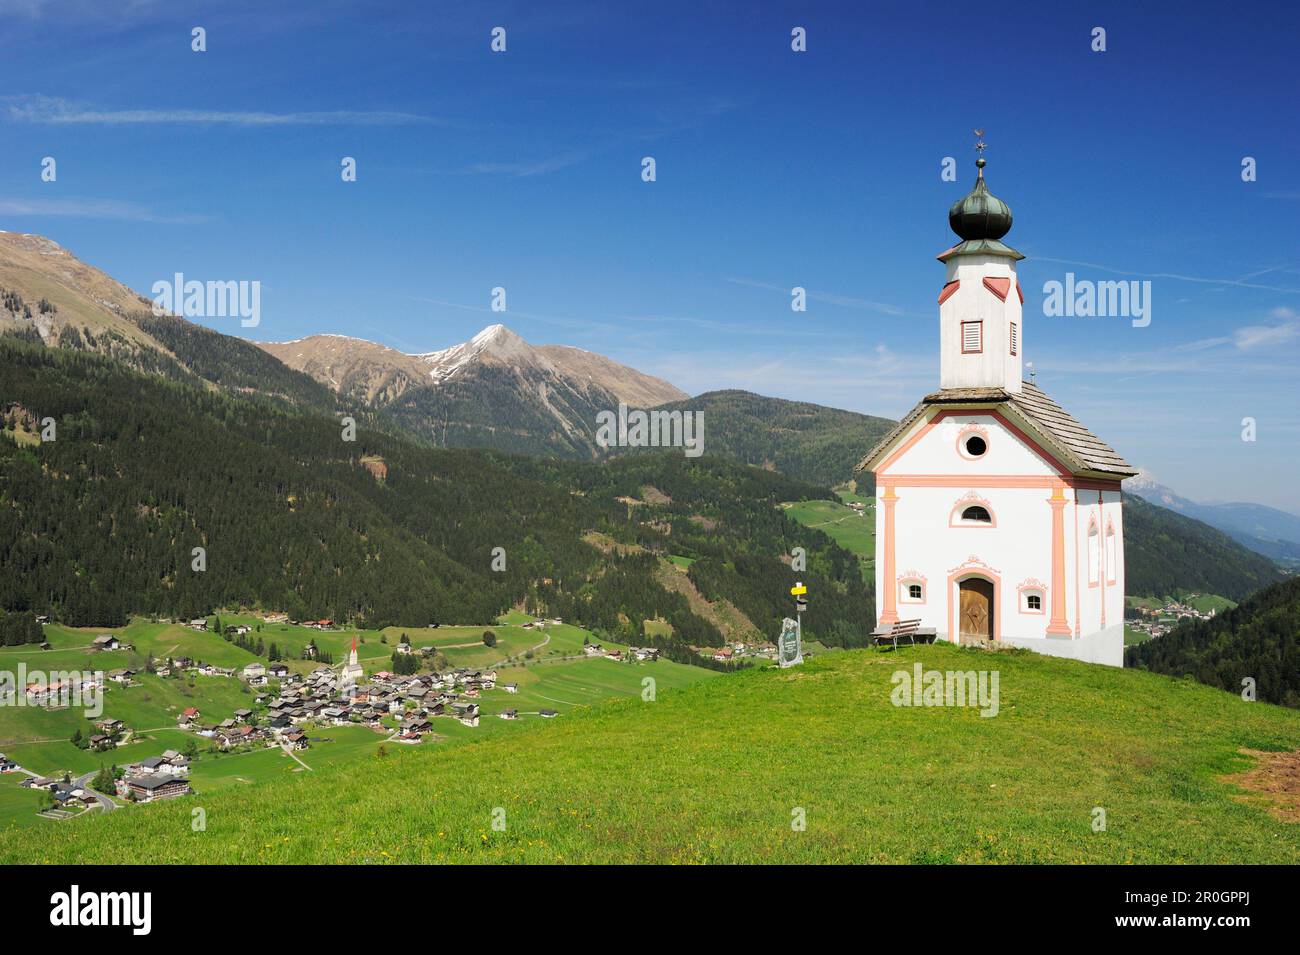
(909, 630)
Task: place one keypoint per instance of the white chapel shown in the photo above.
(998, 515)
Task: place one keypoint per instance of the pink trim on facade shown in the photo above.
(1040, 588)
(1103, 569)
(1033, 445)
(971, 499)
(966, 431)
(998, 286)
(905, 580)
(1078, 590)
(890, 613)
(1087, 550)
(1059, 625)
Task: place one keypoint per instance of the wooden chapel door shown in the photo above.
(976, 612)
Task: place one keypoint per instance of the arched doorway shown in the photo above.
(975, 612)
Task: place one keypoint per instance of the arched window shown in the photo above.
(1033, 595)
(977, 514)
(1112, 559)
(911, 589)
(1094, 554)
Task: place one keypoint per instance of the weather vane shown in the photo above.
(980, 146)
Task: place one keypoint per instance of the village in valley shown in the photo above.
(233, 699)
(1149, 617)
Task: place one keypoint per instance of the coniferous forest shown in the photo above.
(160, 498)
(1255, 640)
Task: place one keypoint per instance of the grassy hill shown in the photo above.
(716, 772)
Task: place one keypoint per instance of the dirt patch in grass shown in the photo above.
(606, 544)
(1274, 780)
(723, 614)
(653, 495)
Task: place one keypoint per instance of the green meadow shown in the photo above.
(547, 665)
(723, 771)
(853, 531)
(1202, 602)
(848, 493)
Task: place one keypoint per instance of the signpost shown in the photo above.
(790, 647)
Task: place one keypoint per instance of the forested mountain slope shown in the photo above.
(806, 441)
(104, 519)
(1257, 639)
(1165, 553)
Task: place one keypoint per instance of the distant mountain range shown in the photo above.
(494, 391)
(1265, 530)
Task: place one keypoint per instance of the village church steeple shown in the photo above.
(981, 333)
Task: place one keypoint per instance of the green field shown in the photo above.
(1202, 602)
(18, 806)
(853, 531)
(548, 665)
(1133, 637)
(848, 493)
(716, 771)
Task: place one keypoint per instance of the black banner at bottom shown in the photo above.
(213, 903)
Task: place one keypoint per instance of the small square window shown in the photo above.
(1035, 602)
(914, 591)
(972, 337)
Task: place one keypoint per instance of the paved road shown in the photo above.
(83, 782)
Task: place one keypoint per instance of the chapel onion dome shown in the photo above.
(980, 220)
(980, 215)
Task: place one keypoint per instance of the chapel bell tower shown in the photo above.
(981, 334)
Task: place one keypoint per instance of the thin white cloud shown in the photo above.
(524, 169)
(90, 209)
(830, 298)
(1250, 337)
(51, 110)
(35, 9)
(1262, 336)
(1240, 283)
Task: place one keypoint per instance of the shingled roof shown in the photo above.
(1076, 446)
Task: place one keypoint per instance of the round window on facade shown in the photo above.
(975, 446)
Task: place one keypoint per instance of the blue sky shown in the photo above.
(775, 169)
